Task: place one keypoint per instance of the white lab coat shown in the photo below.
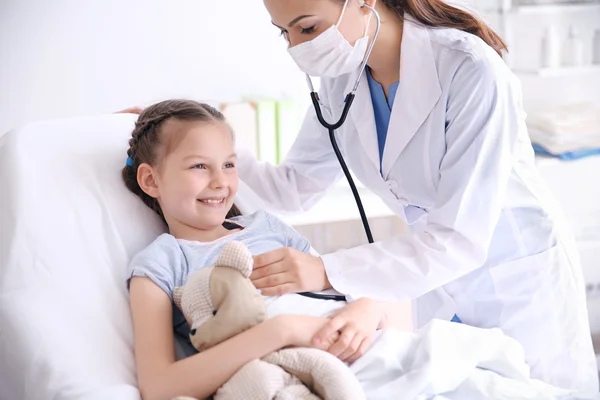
(486, 240)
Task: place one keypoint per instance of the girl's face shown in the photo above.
(197, 180)
(303, 20)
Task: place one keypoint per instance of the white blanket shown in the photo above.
(446, 360)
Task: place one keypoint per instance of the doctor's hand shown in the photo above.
(356, 323)
(287, 270)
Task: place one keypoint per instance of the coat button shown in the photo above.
(392, 184)
(403, 201)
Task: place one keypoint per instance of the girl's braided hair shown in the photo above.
(148, 145)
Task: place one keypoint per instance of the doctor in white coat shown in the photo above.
(437, 131)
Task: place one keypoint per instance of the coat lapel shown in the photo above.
(418, 92)
(363, 117)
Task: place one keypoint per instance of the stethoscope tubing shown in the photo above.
(331, 128)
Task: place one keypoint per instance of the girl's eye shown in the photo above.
(230, 165)
(309, 30)
(199, 166)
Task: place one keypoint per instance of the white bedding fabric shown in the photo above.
(68, 228)
(450, 361)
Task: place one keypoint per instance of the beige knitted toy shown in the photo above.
(220, 301)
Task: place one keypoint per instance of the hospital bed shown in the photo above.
(68, 228)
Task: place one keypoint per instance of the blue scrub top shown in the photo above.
(382, 108)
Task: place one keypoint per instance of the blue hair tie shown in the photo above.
(129, 162)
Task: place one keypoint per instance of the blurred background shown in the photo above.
(69, 57)
(64, 58)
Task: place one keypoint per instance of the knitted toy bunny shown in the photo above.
(220, 301)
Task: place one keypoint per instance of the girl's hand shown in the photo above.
(356, 323)
(299, 330)
(287, 270)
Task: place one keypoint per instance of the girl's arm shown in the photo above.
(161, 377)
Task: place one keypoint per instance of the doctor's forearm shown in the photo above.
(405, 266)
(273, 184)
(282, 186)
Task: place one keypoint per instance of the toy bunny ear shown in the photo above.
(177, 293)
(236, 255)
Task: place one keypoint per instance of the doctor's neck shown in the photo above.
(384, 62)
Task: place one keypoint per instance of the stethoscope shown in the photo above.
(331, 128)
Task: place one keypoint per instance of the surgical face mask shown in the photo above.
(329, 54)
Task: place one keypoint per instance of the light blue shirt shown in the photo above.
(169, 261)
(382, 108)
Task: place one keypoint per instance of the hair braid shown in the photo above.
(142, 151)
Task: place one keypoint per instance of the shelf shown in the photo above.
(559, 72)
(527, 9)
(339, 205)
(553, 8)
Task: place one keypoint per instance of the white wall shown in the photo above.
(78, 57)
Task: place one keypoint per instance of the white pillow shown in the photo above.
(68, 228)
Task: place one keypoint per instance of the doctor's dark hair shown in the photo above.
(149, 145)
(438, 13)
